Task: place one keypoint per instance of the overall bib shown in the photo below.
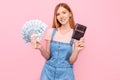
(58, 66)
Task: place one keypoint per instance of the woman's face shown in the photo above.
(63, 15)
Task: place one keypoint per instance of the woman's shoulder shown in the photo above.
(50, 29)
(49, 33)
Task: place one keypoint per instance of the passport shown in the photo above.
(79, 31)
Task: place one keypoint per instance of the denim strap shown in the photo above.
(53, 33)
(71, 41)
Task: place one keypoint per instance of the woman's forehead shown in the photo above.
(60, 9)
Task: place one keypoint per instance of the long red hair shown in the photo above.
(56, 24)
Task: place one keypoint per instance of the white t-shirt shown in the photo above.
(58, 36)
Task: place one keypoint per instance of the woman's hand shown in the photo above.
(34, 43)
(78, 45)
(45, 52)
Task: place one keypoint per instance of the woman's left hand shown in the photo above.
(79, 44)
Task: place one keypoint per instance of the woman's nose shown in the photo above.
(61, 16)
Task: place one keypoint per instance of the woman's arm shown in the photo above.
(78, 46)
(44, 52)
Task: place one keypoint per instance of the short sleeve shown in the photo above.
(49, 34)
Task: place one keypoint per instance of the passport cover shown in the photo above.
(79, 31)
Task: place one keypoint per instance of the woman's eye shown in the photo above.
(64, 12)
(58, 14)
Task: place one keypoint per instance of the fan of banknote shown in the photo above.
(33, 28)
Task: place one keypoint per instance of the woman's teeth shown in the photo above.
(62, 20)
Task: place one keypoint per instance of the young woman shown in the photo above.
(61, 50)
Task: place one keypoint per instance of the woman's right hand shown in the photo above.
(34, 43)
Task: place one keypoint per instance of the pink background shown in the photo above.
(100, 59)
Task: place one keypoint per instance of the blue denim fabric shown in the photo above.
(58, 66)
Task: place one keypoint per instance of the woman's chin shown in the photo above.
(63, 23)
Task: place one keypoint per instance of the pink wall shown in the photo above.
(100, 60)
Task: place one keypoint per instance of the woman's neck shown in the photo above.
(65, 29)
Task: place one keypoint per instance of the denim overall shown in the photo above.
(58, 66)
